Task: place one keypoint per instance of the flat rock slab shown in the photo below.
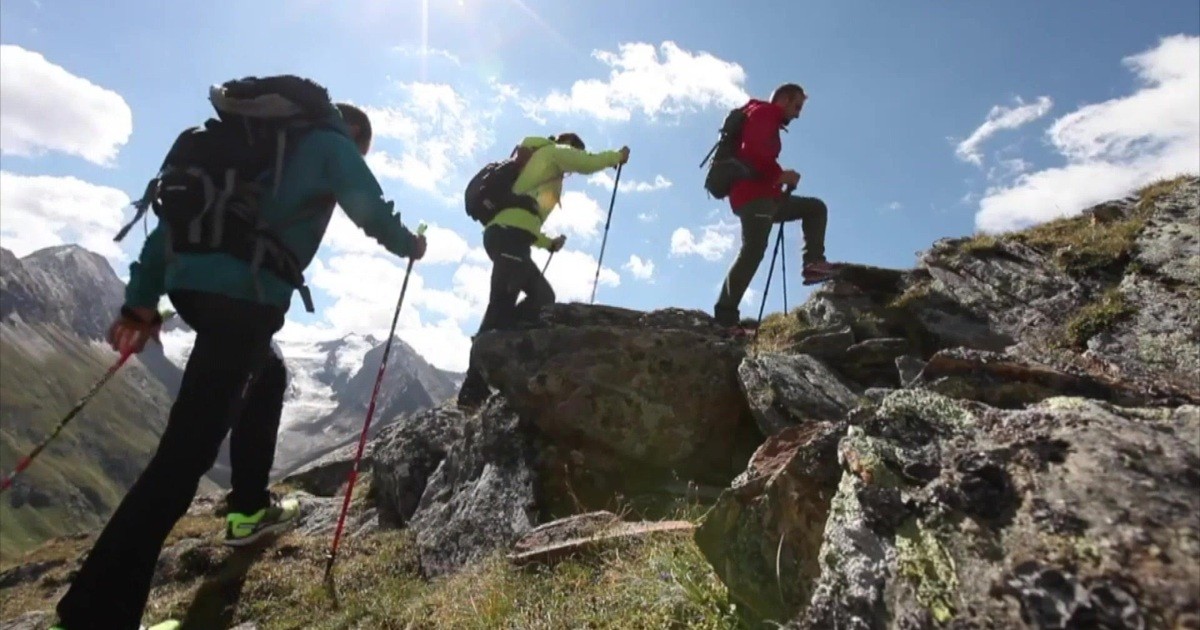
(558, 540)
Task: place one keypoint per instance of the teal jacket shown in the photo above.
(323, 163)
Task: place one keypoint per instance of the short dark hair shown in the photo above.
(571, 139)
(788, 91)
(357, 117)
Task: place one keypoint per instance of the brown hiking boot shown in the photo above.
(819, 271)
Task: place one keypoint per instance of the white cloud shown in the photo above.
(894, 206)
(604, 180)
(647, 217)
(715, 240)
(578, 215)
(440, 132)
(572, 273)
(638, 268)
(669, 80)
(42, 211)
(43, 107)
(999, 119)
(1113, 146)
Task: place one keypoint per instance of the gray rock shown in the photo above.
(406, 455)
(481, 498)
(785, 390)
(908, 368)
(35, 620)
(826, 344)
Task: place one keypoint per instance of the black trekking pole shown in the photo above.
(6, 482)
(616, 184)
(547, 265)
(783, 264)
(778, 245)
(362, 438)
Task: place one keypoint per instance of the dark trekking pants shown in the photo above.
(513, 271)
(757, 218)
(232, 380)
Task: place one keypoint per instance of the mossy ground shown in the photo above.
(658, 582)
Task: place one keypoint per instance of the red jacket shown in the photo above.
(759, 148)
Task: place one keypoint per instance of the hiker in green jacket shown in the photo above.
(509, 236)
(233, 383)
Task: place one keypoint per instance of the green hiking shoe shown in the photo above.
(243, 529)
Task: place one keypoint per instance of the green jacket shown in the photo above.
(324, 162)
(542, 178)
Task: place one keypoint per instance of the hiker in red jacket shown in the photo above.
(759, 201)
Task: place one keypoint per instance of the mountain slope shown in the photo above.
(55, 307)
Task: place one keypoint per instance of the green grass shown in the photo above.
(1079, 247)
(660, 581)
(93, 459)
(780, 331)
(1095, 318)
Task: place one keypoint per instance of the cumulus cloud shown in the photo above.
(572, 273)
(43, 211)
(440, 130)
(1112, 146)
(638, 268)
(714, 242)
(43, 107)
(579, 216)
(605, 180)
(654, 81)
(999, 119)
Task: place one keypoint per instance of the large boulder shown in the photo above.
(631, 400)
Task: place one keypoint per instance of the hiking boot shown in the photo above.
(819, 271)
(473, 394)
(242, 529)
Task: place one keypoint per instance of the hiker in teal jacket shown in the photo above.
(233, 383)
(510, 235)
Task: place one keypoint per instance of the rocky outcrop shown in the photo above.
(481, 497)
(1071, 513)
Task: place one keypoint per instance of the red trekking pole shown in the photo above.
(362, 438)
(25, 461)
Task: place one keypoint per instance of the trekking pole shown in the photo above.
(547, 265)
(25, 461)
(783, 264)
(604, 242)
(362, 438)
(771, 271)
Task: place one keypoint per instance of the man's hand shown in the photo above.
(419, 246)
(133, 328)
(624, 155)
(558, 242)
(789, 178)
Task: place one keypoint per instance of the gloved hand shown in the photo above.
(133, 327)
(558, 242)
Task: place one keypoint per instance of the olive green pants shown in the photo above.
(757, 218)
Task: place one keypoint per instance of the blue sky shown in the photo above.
(925, 120)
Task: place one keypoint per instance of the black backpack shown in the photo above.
(490, 190)
(208, 191)
(724, 169)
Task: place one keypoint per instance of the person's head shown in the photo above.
(569, 139)
(791, 98)
(360, 125)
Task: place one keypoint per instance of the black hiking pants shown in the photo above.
(757, 218)
(513, 271)
(232, 380)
